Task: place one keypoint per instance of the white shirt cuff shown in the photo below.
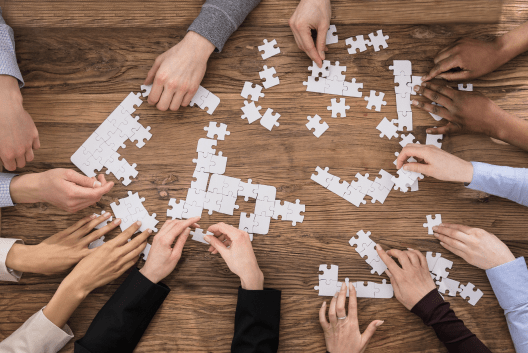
(7, 274)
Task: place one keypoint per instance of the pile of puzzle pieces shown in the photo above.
(329, 285)
(219, 194)
(100, 149)
(355, 191)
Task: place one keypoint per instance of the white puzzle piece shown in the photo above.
(338, 107)
(415, 81)
(322, 177)
(450, 285)
(203, 162)
(314, 123)
(351, 89)
(363, 184)
(323, 70)
(220, 131)
(281, 210)
(177, 209)
(261, 224)
(402, 81)
(328, 288)
(315, 84)
(431, 222)
(331, 38)
(212, 202)
(359, 44)
(255, 92)
(401, 67)
(375, 101)
(264, 208)
(251, 112)
(269, 49)
(387, 128)
(434, 139)
(96, 243)
(378, 40)
(146, 90)
(335, 72)
(354, 196)
(267, 75)
(195, 197)
(130, 101)
(230, 187)
(431, 260)
(337, 187)
(467, 87)
(248, 190)
(406, 139)
(440, 268)
(378, 192)
(228, 205)
(385, 180)
(201, 180)
(206, 146)
(198, 235)
(218, 164)
(266, 192)
(468, 291)
(294, 212)
(383, 290)
(216, 184)
(329, 274)
(269, 120)
(404, 121)
(403, 102)
(190, 211)
(246, 223)
(334, 86)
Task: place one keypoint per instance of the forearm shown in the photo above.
(512, 130)
(513, 43)
(449, 329)
(218, 19)
(64, 302)
(25, 188)
(8, 60)
(507, 182)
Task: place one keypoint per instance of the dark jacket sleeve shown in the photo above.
(220, 18)
(257, 321)
(121, 322)
(449, 329)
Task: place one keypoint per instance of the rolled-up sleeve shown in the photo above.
(37, 335)
(507, 182)
(510, 285)
(8, 61)
(5, 194)
(220, 18)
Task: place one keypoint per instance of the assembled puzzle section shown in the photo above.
(100, 149)
(206, 100)
(376, 40)
(402, 70)
(365, 246)
(130, 210)
(330, 79)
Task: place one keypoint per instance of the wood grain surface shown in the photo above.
(79, 64)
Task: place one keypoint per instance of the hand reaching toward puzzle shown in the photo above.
(163, 257)
(478, 247)
(177, 73)
(63, 188)
(342, 333)
(239, 257)
(18, 132)
(312, 14)
(60, 251)
(412, 281)
(101, 266)
(437, 163)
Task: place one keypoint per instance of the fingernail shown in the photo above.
(379, 323)
(416, 88)
(324, 304)
(97, 184)
(435, 228)
(406, 167)
(117, 221)
(107, 215)
(436, 235)
(428, 131)
(93, 216)
(335, 295)
(379, 246)
(410, 249)
(414, 102)
(149, 231)
(322, 54)
(424, 78)
(206, 238)
(138, 223)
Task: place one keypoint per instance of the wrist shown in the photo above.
(10, 84)
(255, 281)
(200, 44)
(467, 176)
(76, 286)
(25, 188)
(19, 258)
(150, 275)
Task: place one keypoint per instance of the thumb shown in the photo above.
(454, 76)
(369, 332)
(447, 129)
(320, 43)
(215, 243)
(152, 72)
(417, 168)
(82, 180)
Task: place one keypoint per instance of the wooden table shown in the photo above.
(79, 62)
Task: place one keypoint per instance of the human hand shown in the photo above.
(60, 251)
(235, 248)
(412, 281)
(342, 333)
(177, 73)
(478, 247)
(465, 111)
(18, 133)
(63, 188)
(438, 163)
(312, 14)
(163, 258)
(108, 261)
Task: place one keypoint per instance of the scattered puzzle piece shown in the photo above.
(468, 291)
(387, 129)
(378, 40)
(267, 75)
(338, 108)
(431, 222)
(251, 112)
(314, 123)
(269, 49)
(375, 101)
(269, 120)
(219, 131)
(359, 44)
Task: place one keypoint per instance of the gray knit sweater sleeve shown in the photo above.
(220, 18)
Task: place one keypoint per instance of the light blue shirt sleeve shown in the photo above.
(507, 182)
(510, 284)
(8, 61)
(5, 195)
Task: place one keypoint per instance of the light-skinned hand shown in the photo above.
(412, 281)
(343, 335)
(235, 248)
(104, 264)
(63, 188)
(465, 111)
(437, 163)
(163, 257)
(61, 251)
(18, 133)
(478, 247)
(471, 58)
(312, 14)
(177, 73)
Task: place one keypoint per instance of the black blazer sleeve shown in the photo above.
(257, 321)
(121, 322)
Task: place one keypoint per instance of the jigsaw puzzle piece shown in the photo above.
(190, 211)
(198, 235)
(212, 202)
(375, 100)
(218, 164)
(211, 101)
(220, 131)
(177, 209)
(269, 120)
(322, 177)
(331, 38)
(246, 223)
(140, 135)
(432, 222)
(431, 260)
(281, 210)
(468, 291)
(294, 212)
(251, 112)
(448, 284)
(248, 190)
(203, 162)
(323, 70)
(269, 49)
(316, 84)
(264, 208)
(228, 205)
(351, 89)
(195, 197)
(314, 123)
(329, 274)
(130, 101)
(266, 192)
(354, 196)
(384, 290)
(261, 224)
(267, 75)
(441, 266)
(359, 44)
(146, 90)
(378, 40)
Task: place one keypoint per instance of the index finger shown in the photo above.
(222, 228)
(402, 257)
(352, 303)
(442, 66)
(137, 241)
(127, 234)
(411, 150)
(390, 263)
(309, 46)
(178, 228)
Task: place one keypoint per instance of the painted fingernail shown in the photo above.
(138, 223)
(379, 323)
(97, 184)
(206, 238)
(416, 88)
(414, 102)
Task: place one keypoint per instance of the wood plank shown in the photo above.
(75, 76)
(137, 13)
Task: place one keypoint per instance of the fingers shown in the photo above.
(322, 317)
(401, 256)
(369, 332)
(175, 228)
(321, 39)
(413, 258)
(352, 303)
(29, 155)
(152, 72)
(455, 76)
(454, 232)
(166, 98)
(137, 241)
(20, 162)
(133, 253)
(390, 263)
(444, 65)
(9, 163)
(216, 244)
(157, 87)
(222, 228)
(433, 108)
(79, 179)
(419, 168)
(177, 99)
(423, 259)
(122, 238)
(78, 225)
(451, 240)
(458, 227)
(411, 150)
(188, 97)
(36, 143)
(341, 300)
(450, 128)
(307, 44)
(100, 232)
(180, 243)
(332, 311)
(435, 96)
(452, 249)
